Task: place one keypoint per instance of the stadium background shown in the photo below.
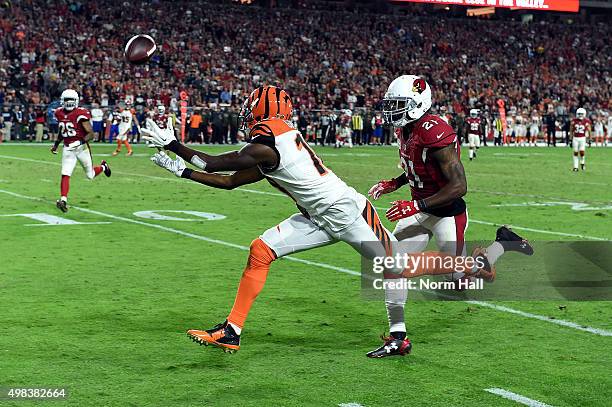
(101, 306)
(334, 58)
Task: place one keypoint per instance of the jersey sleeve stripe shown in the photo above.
(81, 117)
(442, 139)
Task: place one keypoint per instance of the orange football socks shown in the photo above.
(252, 281)
(129, 147)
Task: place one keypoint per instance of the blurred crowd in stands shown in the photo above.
(329, 61)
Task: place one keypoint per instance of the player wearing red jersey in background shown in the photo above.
(474, 131)
(580, 129)
(75, 131)
(160, 117)
(430, 157)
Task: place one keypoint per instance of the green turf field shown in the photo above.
(102, 308)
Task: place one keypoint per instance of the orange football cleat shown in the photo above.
(222, 336)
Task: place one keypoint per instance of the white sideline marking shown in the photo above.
(561, 322)
(254, 191)
(517, 397)
(568, 324)
(481, 191)
(546, 232)
(350, 405)
(183, 233)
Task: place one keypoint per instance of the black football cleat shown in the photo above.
(513, 242)
(222, 336)
(62, 205)
(391, 347)
(107, 170)
(582, 167)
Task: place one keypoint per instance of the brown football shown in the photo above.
(139, 49)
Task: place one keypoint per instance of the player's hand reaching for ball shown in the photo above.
(176, 166)
(402, 209)
(159, 138)
(54, 150)
(383, 187)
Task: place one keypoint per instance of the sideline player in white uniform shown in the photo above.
(330, 210)
(75, 131)
(125, 127)
(598, 130)
(534, 128)
(510, 124)
(608, 128)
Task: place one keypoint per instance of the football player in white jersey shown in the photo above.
(598, 130)
(331, 211)
(125, 126)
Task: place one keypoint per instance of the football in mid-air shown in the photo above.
(139, 49)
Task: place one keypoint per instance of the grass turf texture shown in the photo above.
(103, 309)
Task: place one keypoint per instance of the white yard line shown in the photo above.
(254, 191)
(567, 324)
(561, 322)
(352, 404)
(517, 397)
(183, 233)
(546, 232)
(502, 193)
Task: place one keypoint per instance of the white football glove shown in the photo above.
(176, 166)
(159, 138)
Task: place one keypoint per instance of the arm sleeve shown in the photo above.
(440, 135)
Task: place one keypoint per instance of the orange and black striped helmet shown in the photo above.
(263, 103)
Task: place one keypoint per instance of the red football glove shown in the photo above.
(402, 209)
(383, 187)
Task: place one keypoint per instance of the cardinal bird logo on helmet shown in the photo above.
(419, 85)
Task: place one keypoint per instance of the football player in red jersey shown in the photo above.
(580, 130)
(430, 156)
(160, 117)
(474, 130)
(75, 131)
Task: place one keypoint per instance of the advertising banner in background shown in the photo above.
(545, 5)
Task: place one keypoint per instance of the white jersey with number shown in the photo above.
(126, 122)
(299, 173)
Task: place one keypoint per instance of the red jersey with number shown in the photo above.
(581, 126)
(70, 123)
(474, 125)
(417, 143)
(161, 120)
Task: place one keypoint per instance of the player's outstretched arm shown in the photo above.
(178, 168)
(251, 155)
(239, 178)
(453, 171)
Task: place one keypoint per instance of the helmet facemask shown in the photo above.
(245, 117)
(70, 103)
(396, 110)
